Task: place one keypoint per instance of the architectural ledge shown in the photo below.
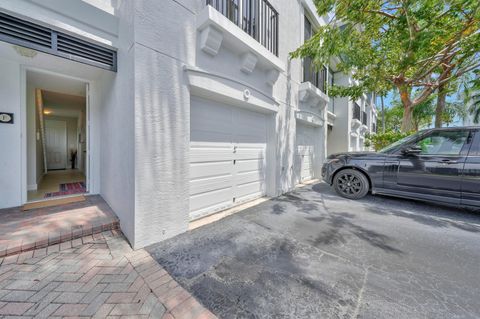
(311, 95)
(217, 30)
(309, 118)
(355, 124)
(226, 90)
(331, 118)
(363, 129)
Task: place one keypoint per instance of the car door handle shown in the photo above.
(446, 161)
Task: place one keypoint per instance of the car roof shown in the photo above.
(453, 128)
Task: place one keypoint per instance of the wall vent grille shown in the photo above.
(30, 35)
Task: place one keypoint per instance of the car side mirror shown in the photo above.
(412, 150)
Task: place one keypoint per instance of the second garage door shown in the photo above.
(305, 155)
(227, 156)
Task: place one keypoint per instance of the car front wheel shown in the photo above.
(351, 184)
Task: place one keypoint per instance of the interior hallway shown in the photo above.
(50, 185)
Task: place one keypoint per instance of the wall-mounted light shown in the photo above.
(46, 112)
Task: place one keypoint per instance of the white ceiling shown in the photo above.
(55, 83)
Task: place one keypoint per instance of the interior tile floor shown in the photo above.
(51, 182)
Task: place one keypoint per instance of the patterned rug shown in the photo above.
(68, 189)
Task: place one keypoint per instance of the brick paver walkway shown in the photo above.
(38, 228)
(97, 276)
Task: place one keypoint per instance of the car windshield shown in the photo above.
(404, 140)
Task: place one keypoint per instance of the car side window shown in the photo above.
(475, 149)
(443, 142)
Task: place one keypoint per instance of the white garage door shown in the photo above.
(305, 155)
(227, 156)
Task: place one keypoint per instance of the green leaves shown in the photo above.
(382, 140)
(414, 44)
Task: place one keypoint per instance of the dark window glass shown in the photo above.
(443, 143)
(310, 74)
(475, 149)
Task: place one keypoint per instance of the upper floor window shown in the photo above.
(258, 18)
(364, 118)
(320, 78)
(356, 112)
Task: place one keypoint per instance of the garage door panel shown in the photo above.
(201, 155)
(250, 177)
(206, 203)
(305, 152)
(207, 113)
(250, 191)
(250, 154)
(243, 166)
(227, 158)
(249, 127)
(210, 184)
(205, 170)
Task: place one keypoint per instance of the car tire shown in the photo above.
(351, 184)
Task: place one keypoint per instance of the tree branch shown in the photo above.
(382, 13)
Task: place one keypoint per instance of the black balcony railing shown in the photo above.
(356, 112)
(364, 118)
(258, 18)
(317, 78)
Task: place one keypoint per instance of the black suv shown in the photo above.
(441, 165)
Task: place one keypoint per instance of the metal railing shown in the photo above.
(258, 18)
(317, 78)
(356, 111)
(364, 118)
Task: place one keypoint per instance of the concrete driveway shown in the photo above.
(313, 254)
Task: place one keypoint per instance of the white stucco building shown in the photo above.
(348, 120)
(181, 109)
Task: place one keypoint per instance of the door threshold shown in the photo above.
(205, 220)
(57, 201)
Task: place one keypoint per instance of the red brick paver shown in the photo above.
(95, 277)
(46, 227)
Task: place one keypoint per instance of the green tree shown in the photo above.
(413, 46)
(471, 94)
(422, 115)
(393, 118)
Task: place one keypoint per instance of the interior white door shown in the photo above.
(56, 144)
(227, 156)
(305, 155)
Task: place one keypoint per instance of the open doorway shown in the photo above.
(56, 136)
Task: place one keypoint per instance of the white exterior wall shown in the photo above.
(345, 135)
(140, 116)
(339, 138)
(10, 135)
(81, 20)
(166, 41)
(115, 93)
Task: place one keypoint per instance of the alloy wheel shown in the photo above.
(349, 184)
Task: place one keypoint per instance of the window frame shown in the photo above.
(463, 151)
